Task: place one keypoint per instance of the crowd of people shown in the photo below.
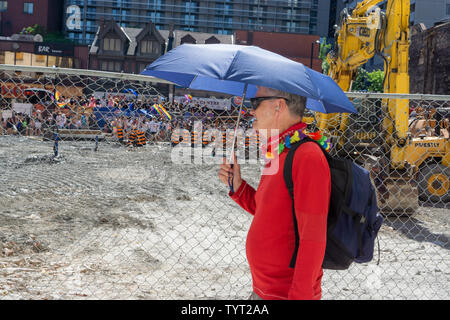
(157, 127)
(37, 122)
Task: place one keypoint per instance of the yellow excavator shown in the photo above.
(404, 167)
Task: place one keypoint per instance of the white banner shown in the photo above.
(124, 95)
(22, 107)
(6, 114)
(211, 103)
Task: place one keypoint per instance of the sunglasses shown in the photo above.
(255, 102)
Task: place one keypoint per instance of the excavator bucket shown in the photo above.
(401, 197)
(396, 194)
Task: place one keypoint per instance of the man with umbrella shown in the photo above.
(279, 89)
(270, 240)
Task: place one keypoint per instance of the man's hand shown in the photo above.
(226, 172)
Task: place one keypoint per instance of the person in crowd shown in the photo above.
(2, 126)
(61, 120)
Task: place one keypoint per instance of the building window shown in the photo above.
(256, 11)
(290, 26)
(148, 46)
(219, 8)
(218, 21)
(3, 6)
(113, 66)
(90, 37)
(155, 16)
(142, 66)
(222, 31)
(154, 4)
(190, 6)
(40, 58)
(28, 7)
(228, 22)
(227, 9)
(111, 44)
(189, 19)
(123, 3)
(448, 9)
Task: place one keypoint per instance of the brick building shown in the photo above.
(429, 61)
(298, 47)
(130, 50)
(28, 50)
(18, 14)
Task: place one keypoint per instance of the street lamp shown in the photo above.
(312, 52)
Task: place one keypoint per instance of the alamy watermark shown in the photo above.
(213, 146)
(73, 21)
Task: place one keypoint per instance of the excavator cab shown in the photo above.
(430, 122)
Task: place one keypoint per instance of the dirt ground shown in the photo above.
(130, 224)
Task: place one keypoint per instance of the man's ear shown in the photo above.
(282, 104)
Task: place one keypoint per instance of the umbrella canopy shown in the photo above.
(229, 68)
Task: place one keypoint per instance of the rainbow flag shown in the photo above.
(165, 112)
(61, 104)
(156, 107)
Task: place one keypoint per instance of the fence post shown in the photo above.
(96, 144)
(55, 146)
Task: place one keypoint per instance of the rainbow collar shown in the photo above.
(293, 135)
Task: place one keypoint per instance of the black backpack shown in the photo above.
(353, 218)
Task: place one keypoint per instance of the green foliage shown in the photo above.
(33, 30)
(368, 81)
(325, 66)
(56, 37)
(376, 81)
(324, 49)
(48, 36)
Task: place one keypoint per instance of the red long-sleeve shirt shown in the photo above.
(271, 238)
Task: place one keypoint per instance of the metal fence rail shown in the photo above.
(94, 206)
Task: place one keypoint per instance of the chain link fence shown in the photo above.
(93, 204)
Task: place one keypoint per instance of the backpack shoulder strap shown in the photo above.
(287, 174)
(288, 163)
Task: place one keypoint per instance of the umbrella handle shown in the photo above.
(231, 176)
(238, 120)
(230, 180)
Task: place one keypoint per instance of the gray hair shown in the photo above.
(295, 103)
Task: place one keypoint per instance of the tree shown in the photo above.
(368, 81)
(376, 79)
(33, 30)
(324, 49)
(57, 36)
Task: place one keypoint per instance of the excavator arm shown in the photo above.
(355, 43)
(394, 48)
(362, 33)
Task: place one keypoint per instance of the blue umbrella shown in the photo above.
(238, 70)
(131, 91)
